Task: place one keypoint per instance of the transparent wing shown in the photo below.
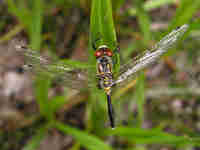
(67, 74)
(150, 56)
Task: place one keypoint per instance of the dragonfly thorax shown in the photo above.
(105, 81)
(104, 71)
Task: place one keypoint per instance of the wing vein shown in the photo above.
(150, 56)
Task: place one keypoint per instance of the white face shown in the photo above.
(102, 46)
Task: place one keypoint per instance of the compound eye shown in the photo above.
(98, 53)
(109, 53)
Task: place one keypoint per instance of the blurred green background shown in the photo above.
(157, 110)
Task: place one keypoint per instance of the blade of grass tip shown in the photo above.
(90, 142)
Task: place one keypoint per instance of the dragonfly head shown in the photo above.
(103, 50)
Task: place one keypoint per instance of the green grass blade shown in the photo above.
(101, 23)
(102, 29)
(153, 136)
(144, 23)
(144, 20)
(36, 25)
(95, 21)
(184, 12)
(90, 142)
(107, 23)
(42, 82)
(42, 85)
(31, 18)
(76, 64)
(140, 99)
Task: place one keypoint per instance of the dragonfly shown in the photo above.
(104, 66)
